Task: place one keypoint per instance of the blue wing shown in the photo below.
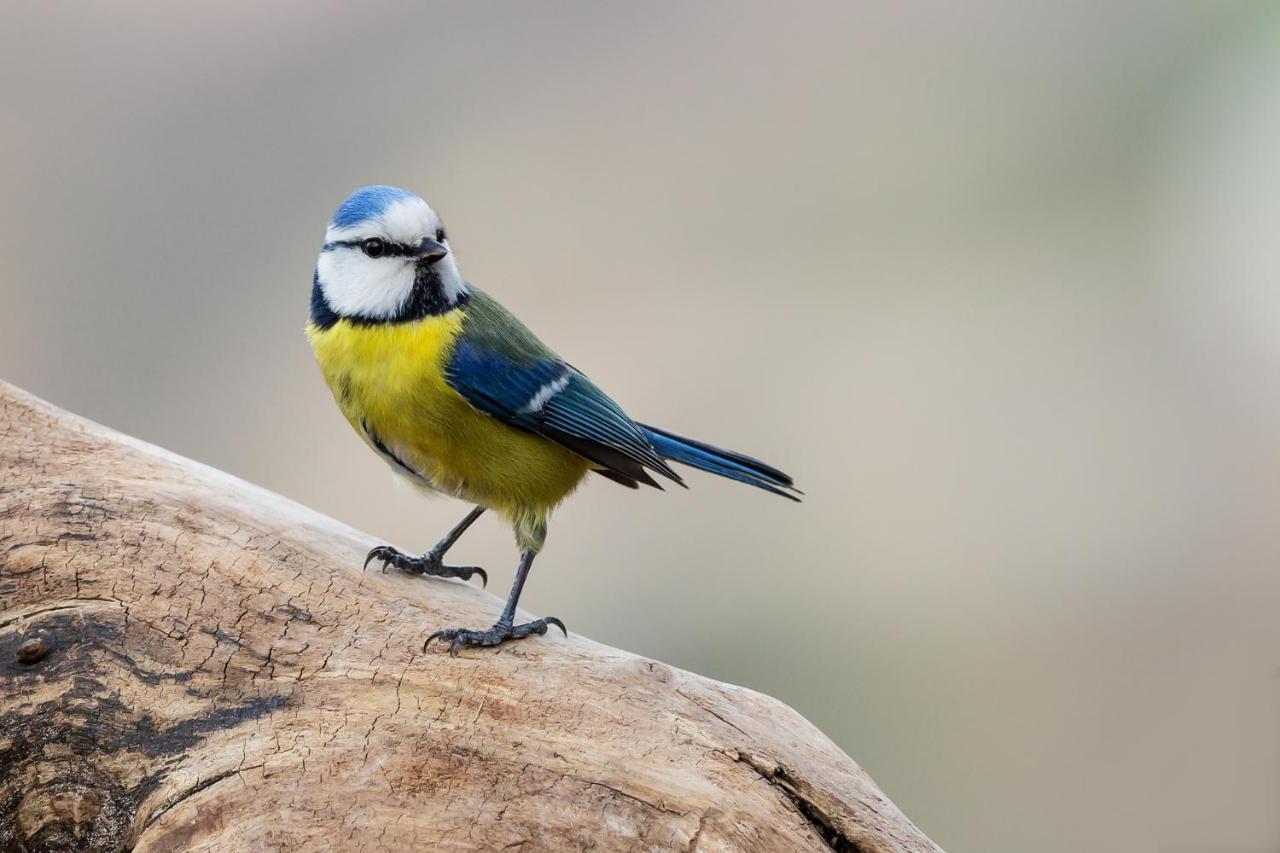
(547, 397)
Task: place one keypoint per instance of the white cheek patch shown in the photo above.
(356, 285)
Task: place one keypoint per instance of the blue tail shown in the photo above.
(726, 463)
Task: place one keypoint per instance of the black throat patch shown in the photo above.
(427, 298)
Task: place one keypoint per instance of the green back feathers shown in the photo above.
(486, 323)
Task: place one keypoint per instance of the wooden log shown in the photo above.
(190, 662)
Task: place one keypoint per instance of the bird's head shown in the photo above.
(385, 258)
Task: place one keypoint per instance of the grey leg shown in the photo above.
(504, 629)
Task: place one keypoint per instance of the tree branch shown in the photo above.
(187, 660)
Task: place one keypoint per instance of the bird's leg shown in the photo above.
(505, 629)
(432, 562)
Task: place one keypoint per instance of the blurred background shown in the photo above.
(997, 281)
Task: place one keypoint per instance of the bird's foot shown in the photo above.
(459, 637)
(429, 563)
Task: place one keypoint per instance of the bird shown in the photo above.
(459, 398)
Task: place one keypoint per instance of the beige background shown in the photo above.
(996, 281)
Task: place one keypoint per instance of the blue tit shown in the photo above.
(458, 397)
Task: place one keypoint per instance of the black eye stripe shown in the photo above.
(399, 250)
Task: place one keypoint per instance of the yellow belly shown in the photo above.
(389, 379)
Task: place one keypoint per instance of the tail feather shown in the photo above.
(726, 463)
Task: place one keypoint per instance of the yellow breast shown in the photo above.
(389, 380)
(388, 373)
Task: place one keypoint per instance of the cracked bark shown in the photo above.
(220, 675)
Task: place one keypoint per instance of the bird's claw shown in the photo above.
(500, 633)
(383, 552)
(428, 564)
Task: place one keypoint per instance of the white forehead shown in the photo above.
(403, 220)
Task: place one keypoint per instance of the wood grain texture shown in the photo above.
(189, 662)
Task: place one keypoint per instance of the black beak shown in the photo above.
(431, 251)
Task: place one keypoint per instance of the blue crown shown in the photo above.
(366, 203)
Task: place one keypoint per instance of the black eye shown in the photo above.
(373, 247)
(440, 238)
